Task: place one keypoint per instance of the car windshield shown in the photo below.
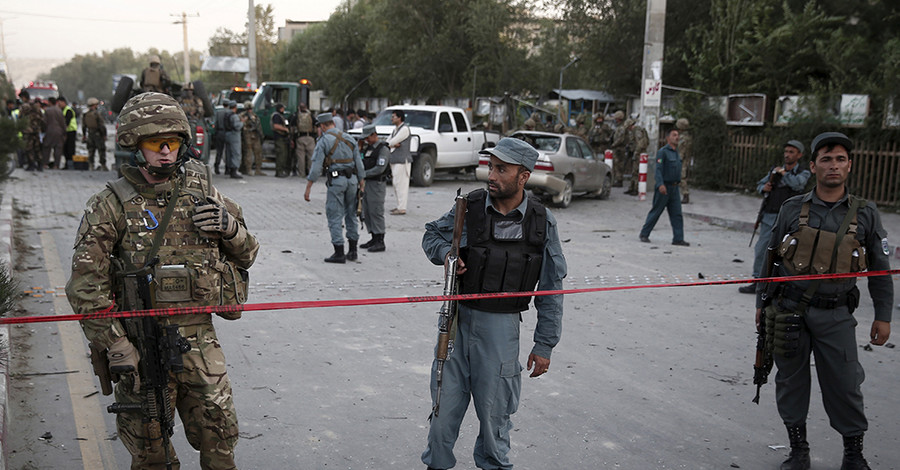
(42, 93)
(548, 143)
(415, 118)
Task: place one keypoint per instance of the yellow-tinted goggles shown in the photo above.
(155, 144)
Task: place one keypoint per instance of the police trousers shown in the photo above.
(484, 367)
(670, 202)
(830, 335)
(373, 205)
(762, 242)
(202, 396)
(340, 209)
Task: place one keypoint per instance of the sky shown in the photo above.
(61, 29)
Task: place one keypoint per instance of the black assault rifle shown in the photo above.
(160, 348)
(762, 366)
(774, 178)
(447, 313)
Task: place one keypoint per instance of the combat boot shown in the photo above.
(352, 254)
(235, 175)
(370, 242)
(799, 458)
(338, 256)
(853, 457)
(378, 245)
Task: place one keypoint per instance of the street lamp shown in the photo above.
(572, 62)
(347, 96)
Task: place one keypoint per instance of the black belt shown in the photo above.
(345, 172)
(826, 303)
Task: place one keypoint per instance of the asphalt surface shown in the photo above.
(654, 378)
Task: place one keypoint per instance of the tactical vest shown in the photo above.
(370, 159)
(92, 119)
(502, 254)
(72, 125)
(191, 270)
(779, 194)
(152, 79)
(304, 122)
(812, 251)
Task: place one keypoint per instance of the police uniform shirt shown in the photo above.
(436, 244)
(342, 152)
(668, 166)
(870, 233)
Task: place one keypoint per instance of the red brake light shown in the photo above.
(542, 165)
(484, 160)
(200, 137)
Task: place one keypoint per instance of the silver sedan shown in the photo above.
(566, 165)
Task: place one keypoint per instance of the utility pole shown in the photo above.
(651, 75)
(3, 58)
(252, 77)
(187, 52)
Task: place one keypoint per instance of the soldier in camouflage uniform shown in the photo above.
(31, 135)
(251, 141)
(191, 104)
(685, 148)
(93, 131)
(600, 135)
(640, 141)
(620, 146)
(203, 256)
(305, 139)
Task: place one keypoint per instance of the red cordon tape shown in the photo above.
(162, 312)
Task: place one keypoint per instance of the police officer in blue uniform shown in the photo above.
(666, 196)
(510, 243)
(337, 154)
(375, 157)
(826, 230)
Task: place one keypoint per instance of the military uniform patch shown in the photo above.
(884, 246)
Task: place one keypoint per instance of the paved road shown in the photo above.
(642, 379)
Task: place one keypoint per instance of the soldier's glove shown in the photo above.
(213, 218)
(123, 360)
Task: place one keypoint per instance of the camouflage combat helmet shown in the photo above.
(150, 114)
(682, 124)
(92, 101)
(619, 115)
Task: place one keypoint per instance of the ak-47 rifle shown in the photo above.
(762, 366)
(447, 313)
(774, 178)
(160, 349)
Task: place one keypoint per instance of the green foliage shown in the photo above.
(9, 290)
(711, 143)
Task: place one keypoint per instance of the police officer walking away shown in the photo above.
(780, 184)
(165, 218)
(509, 235)
(337, 154)
(665, 197)
(826, 230)
(375, 160)
(93, 131)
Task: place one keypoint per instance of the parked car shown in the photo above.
(442, 139)
(566, 165)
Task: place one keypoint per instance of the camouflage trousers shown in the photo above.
(96, 144)
(251, 152)
(686, 164)
(303, 154)
(32, 145)
(620, 166)
(202, 396)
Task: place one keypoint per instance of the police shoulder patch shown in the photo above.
(884, 246)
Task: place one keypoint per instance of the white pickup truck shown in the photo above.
(442, 139)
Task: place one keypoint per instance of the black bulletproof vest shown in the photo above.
(780, 193)
(502, 255)
(370, 159)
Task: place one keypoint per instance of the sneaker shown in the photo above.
(681, 243)
(398, 212)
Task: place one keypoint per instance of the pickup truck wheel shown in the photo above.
(565, 197)
(423, 169)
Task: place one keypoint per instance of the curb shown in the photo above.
(6, 219)
(738, 225)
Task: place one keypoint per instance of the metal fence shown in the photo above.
(875, 174)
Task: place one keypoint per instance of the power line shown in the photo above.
(105, 20)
